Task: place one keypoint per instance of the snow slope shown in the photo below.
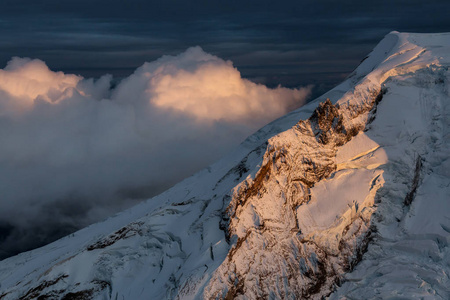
(348, 198)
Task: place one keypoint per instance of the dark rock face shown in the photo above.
(123, 233)
(49, 290)
(326, 122)
(415, 183)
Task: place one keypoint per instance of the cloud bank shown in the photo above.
(75, 150)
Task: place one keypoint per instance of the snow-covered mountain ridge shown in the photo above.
(347, 198)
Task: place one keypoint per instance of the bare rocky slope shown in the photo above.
(347, 197)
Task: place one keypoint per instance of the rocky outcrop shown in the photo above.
(270, 255)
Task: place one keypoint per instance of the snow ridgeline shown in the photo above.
(289, 215)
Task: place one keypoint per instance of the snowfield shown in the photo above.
(346, 198)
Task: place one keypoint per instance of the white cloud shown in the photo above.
(24, 80)
(210, 89)
(74, 150)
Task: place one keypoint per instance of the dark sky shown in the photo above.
(273, 42)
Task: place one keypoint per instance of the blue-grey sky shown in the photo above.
(291, 43)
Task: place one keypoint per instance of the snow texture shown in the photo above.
(346, 198)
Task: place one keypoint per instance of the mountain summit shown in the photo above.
(347, 197)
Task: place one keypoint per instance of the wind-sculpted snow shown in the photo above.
(344, 198)
(410, 256)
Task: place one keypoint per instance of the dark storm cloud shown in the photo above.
(91, 37)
